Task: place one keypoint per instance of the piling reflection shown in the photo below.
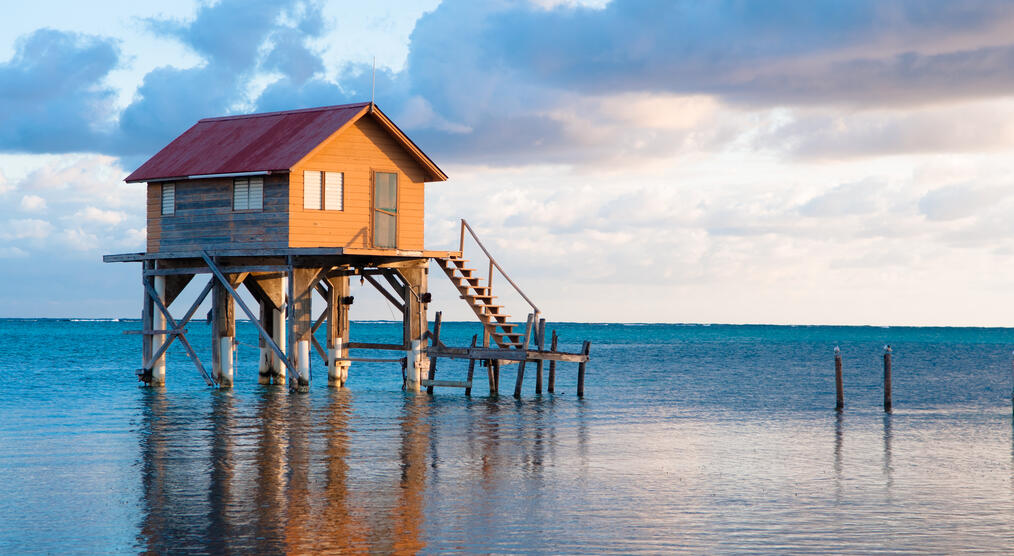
(280, 473)
(888, 467)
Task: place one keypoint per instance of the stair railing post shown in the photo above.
(461, 242)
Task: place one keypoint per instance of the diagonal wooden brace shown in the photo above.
(394, 300)
(253, 319)
(179, 329)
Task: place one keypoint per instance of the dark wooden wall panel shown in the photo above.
(204, 217)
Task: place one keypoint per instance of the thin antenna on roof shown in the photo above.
(373, 89)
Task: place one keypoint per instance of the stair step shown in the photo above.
(446, 383)
(466, 272)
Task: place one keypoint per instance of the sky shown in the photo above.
(729, 161)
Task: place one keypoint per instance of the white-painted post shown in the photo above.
(303, 362)
(225, 379)
(414, 368)
(335, 367)
(159, 323)
(279, 337)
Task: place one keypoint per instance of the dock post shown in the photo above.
(301, 285)
(471, 368)
(580, 369)
(269, 291)
(887, 378)
(158, 323)
(838, 386)
(551, 386)
(433, 360)
(414, 323)
(337, 331)
(521, 364)
(541, 343)
(223, 333)
(279, 333)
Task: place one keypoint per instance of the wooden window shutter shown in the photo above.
(311, 190)
(334, 191)
(168, 199)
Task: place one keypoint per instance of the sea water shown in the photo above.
(690, 438)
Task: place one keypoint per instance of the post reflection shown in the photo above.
(838, 441)
(274, 477)
(888, 468)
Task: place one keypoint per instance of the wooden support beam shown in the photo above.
(505, 354)
(249, 314)
(183, 339)
(397, 286)
(429, 384)
(414, 321)
(521, 365)
(580, 368)
(367, 345)
(394, 300)
(433, 360)
(541, 342)
(337, 330)
(471, 368)
(226, 269)
(551, 387)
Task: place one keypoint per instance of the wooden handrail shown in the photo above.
(464, 226)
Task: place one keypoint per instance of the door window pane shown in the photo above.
(384, 230)
(386, 192)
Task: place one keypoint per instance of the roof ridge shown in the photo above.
(282, 112)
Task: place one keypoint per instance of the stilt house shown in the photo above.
(292, 203)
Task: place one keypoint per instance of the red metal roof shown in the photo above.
(250, 143)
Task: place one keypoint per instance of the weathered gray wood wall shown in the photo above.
(205, 219)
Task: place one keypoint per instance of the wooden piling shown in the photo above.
(551, 387)
(471, 369)
(887, 378)
(521, 364)
(496, 377)
(580, 369)
(433, 360)
(541, 343)
(158, 323)
(839, 389)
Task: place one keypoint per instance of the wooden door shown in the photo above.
(385, 210)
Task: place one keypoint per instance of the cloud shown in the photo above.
(960, 201)
(99, 216)
(26, 228)
(863, 197)
(32, 203)
(52, 97)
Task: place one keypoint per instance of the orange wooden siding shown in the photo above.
(358, 151)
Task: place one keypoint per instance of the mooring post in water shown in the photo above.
(887, 378)
(541, 337)
(839, 389)
(552, 365)
(580, 369)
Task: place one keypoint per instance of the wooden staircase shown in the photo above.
(482, 301)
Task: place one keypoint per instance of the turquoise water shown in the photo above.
(698, 439)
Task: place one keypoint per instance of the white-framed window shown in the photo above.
(168, 199)
(248, 193)
(323, 190)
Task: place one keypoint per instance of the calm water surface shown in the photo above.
(698, 439)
